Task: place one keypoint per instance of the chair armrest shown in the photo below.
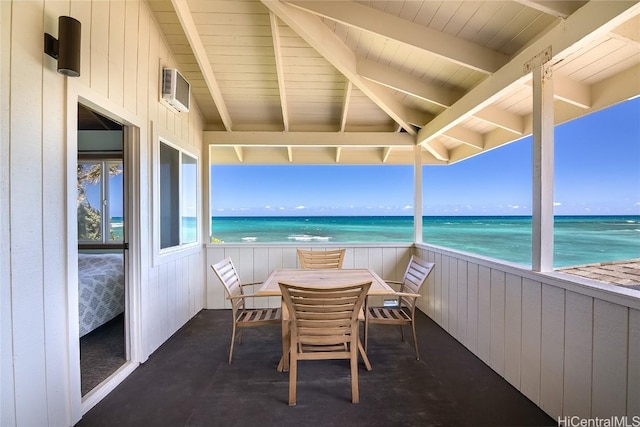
(406, 294)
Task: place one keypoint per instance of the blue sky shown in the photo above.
(597, 172)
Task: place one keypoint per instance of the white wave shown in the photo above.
(249, 239)
(117, 224)
(307, 238)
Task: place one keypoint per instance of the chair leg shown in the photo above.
(366, 331)
(401, 333)
(293, 377)
(233, 336)
(355, 393)
(415, 338)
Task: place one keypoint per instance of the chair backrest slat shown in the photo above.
(414, 277)
(228, 275)
(330, 259)
(323, 316)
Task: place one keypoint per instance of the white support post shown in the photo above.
(417, 195)
(543, 131)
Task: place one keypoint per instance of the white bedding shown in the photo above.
(100, 289)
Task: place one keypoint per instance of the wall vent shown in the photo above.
(176, 90)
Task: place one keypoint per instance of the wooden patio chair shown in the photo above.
(242, 317)
(324, 325)
(404, 312)
(321, 259)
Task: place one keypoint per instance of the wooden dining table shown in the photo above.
(320, 278)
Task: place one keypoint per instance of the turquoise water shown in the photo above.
(577, 239)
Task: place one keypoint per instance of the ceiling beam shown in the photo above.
(309, 139)
(191, 32)
(345, 105)
(570, 91)
(592, 20)
(559, 9)
(405, 83)
(275, 35)
(386, 151)
(444, 45)
(466, 136)
(239, 153)
(290, 154)
(502, 119)
(327, 44)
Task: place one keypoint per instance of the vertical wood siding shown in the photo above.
(571, 349)
(122, 52)
(255, 263)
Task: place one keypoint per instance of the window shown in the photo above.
(178, 197)
(99, 201)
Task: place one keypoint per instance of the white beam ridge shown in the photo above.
(444, 45)
(466, 136)
(313, 31)
(565, 38)
(191, 32)
(309, 139)
(559, 9)
(290, 154)
(405, 83)
(275, 35)
(502, 119)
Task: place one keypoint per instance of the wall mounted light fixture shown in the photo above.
(66, 48)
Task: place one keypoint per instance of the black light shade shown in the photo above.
(67, 48)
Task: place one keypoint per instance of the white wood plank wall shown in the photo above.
(122, 51)
(256, 262)
(573, 349)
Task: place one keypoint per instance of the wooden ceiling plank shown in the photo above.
(592, 20)
(275, 34)
(186, 20)
(444, 45)
(311, 29)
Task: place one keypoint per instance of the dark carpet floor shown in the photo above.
(187, 382)
(102, 352)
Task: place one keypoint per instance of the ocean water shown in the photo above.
(577, 239)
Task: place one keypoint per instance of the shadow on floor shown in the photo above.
(187, 382)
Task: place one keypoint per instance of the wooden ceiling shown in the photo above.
(365, 82)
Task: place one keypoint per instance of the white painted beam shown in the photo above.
(405, 83)
(290, 154)
(345, 105)
(191, 32)
(239, 153)
(338, 152)
(444, 45)
(309, 139)
(559, 9)
(592, 20)
(386, 151)
(571, 92)
(502, 119)
(327, 44)
(438, 150)
(466, 136)
(275, 35)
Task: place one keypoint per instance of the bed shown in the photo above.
(100, 289)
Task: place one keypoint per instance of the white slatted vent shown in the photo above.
(176, 90)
